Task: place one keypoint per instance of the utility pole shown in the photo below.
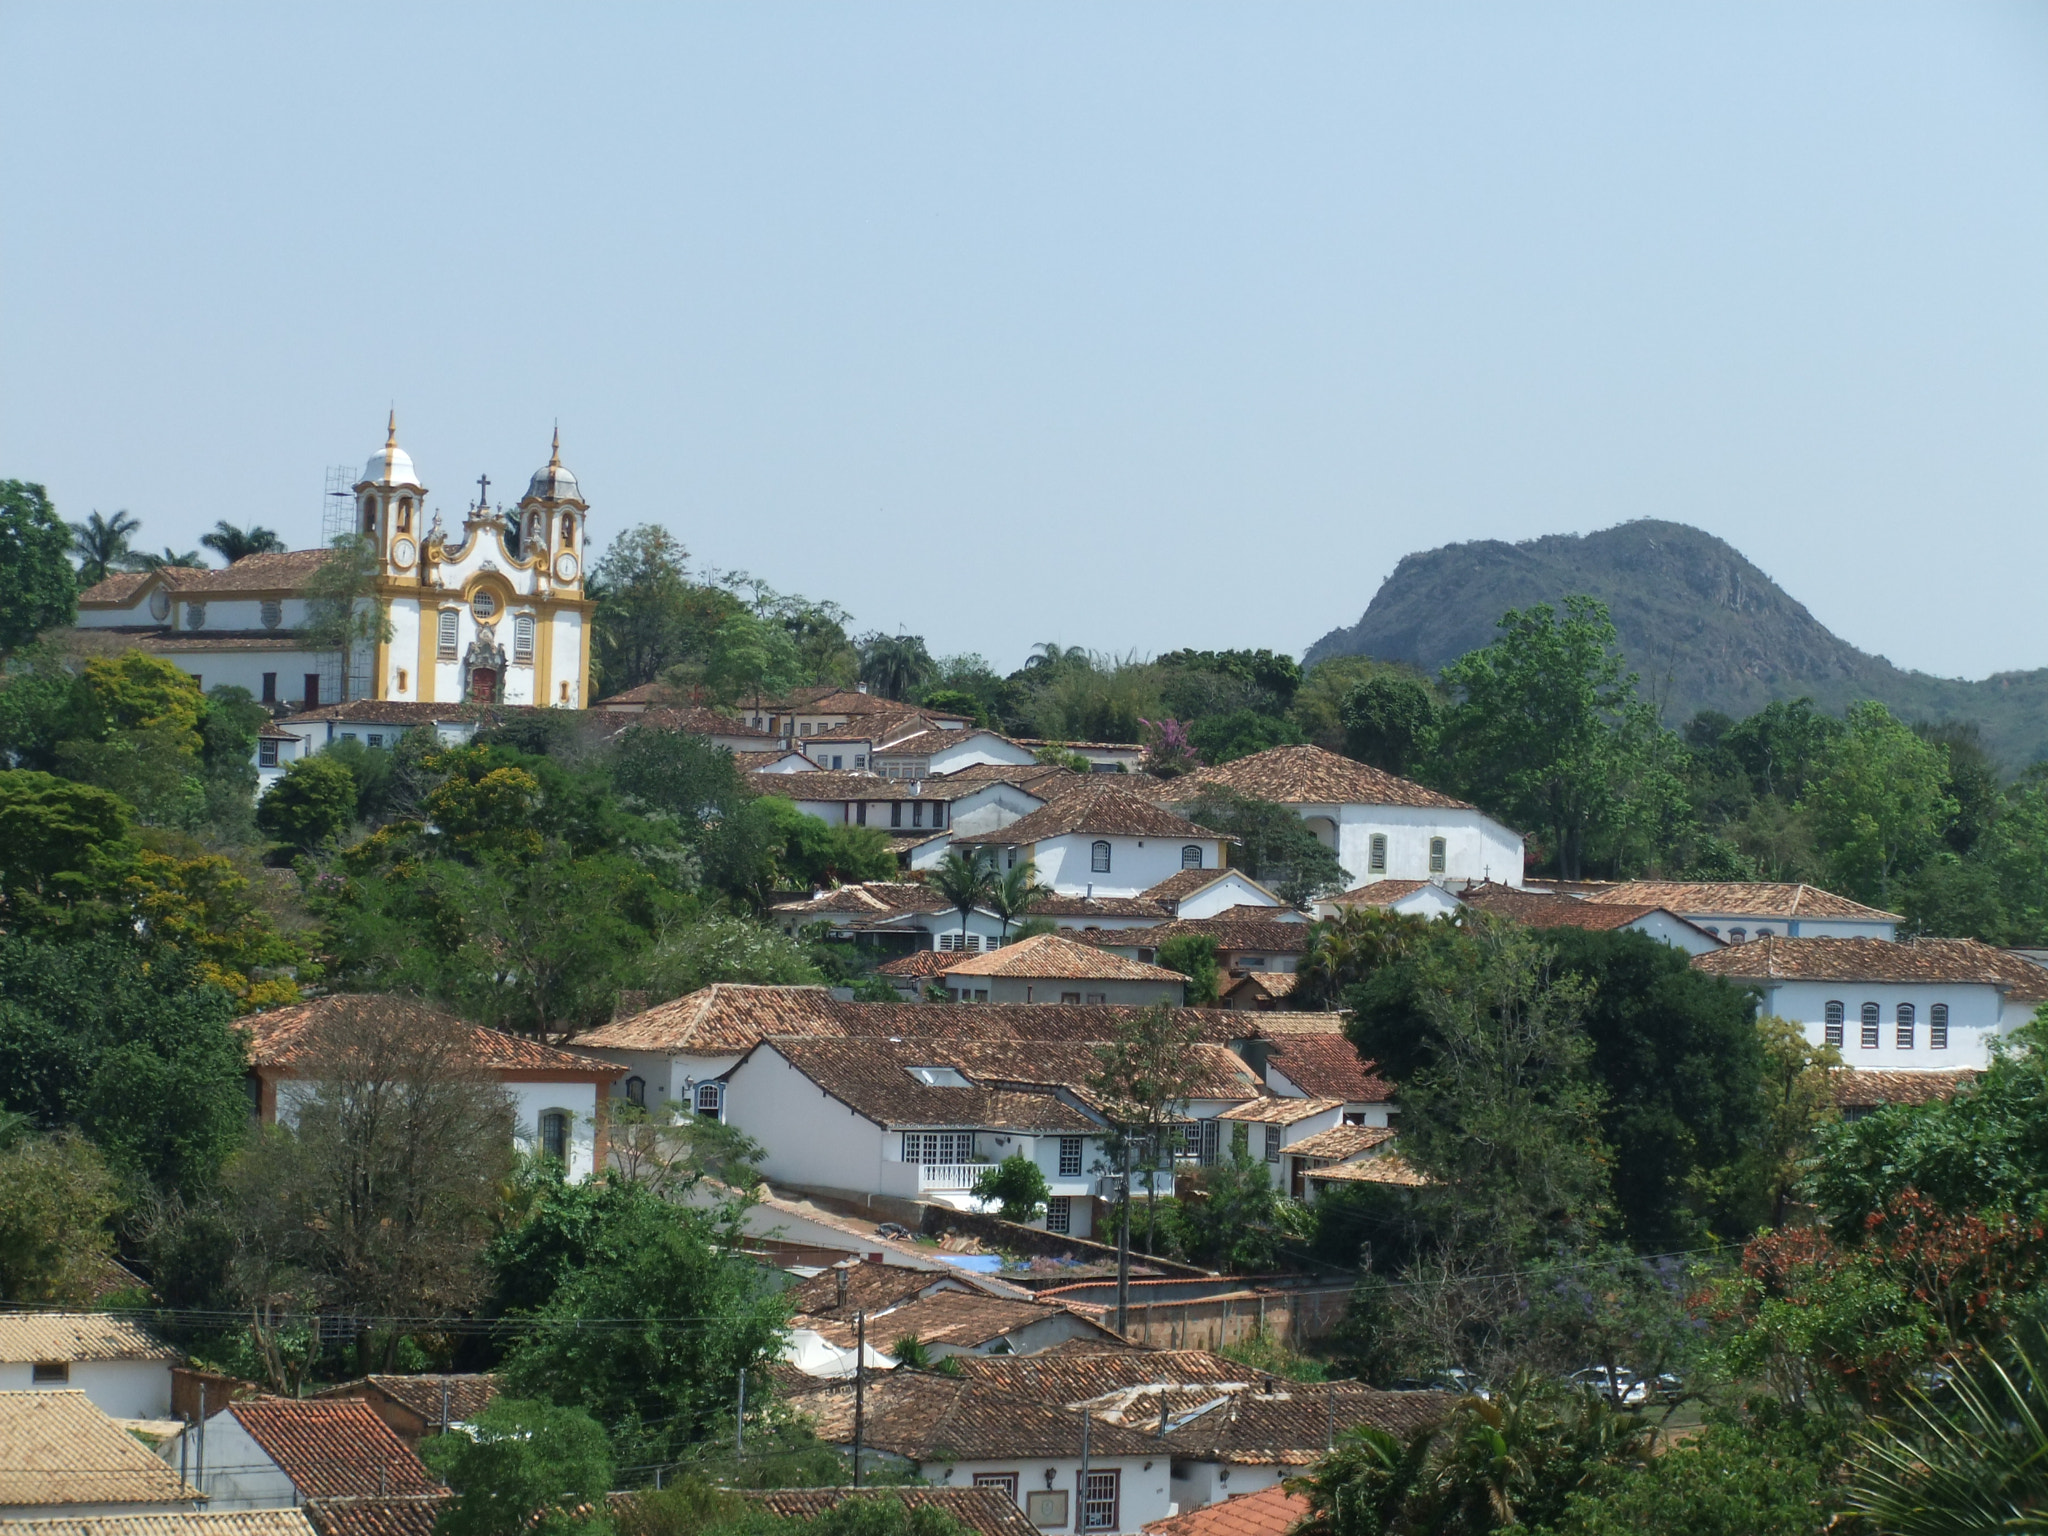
(1123, 1244)
(199, 1469)
(860, 1386)
(1081, 1482)
(739, 1421)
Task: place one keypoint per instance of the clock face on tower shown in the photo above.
(565, 567)
(402, 552)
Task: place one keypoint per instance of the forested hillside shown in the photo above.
(1705, 628)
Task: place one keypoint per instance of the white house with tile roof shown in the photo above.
(124, 1370)
(1100, 840)
(1379, 826)
(1408, 898)
(1740, 910)
(1051, 968)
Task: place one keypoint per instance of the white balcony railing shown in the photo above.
(950, 1177)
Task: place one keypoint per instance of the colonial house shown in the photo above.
(1050, 968)
(1740, 910)
(278, 1452)
(1306, 1055)
(1537, 910)
(1064, 1472)
(1407, 898)
(678, 1052)
(1379, 826)
(451, 604)
(1246, 938)
(921, 1118)
(558, 1098)
(62, 1458)
(1337, 1146)
(1098, 839)
(1258, 991)
(123, 1370)
(418, 1406)
(1387, 1171)
(860, 799)
(1266, 1128)
(949, 1322)
(1927, 1005)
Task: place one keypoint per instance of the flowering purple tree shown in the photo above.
(1171, 755)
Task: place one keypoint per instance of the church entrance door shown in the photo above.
(483, 685)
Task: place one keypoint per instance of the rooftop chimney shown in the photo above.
(840, 1275)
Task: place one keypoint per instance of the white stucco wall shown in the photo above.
(976, 746)
(121, 1389)
(809, 1137)
(403, 653)
(1725, 924)
(1476, 847)
(1666, 929)
(529, 1101)
(1196, 1483)
(232, 1469)
(1018, 989)
(1976, 1015)
(1235, 889)
(1136, 864)
(1144, 1488)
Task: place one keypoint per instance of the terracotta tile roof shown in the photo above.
(723, 1017)
(1098, 808)
(57, 1448)
(919, 962)
(1387, 1168)
(1280, 1111)
(872, 897)
(1329, 1066)
(113, 589)
(961, 1319)
(940, 1419)
(689, 720)
(754, 762)
(1877, 960)
(283, 571)
(1312, 776)
(469, 1393)
(1101, 906)
(412, 1515)
(869, 1287)
(1377, 893)
(400, 712)
(1056, 957)
(1287, 1025)
(1180, 886)
(1272, 984)
(1342, 1141)
(1739, 898)
(287, 1037)
(1232, 933)
(831, 784)
(1855, 1088)
(1290, 1425)
(871, 1077)
(1542, 911)
(33, 1336)
(1081, 1370)
(168, 642)
(1269, 1512)
(984, 1511)
(225, 1522)
(1028, 776)
(332, 1448)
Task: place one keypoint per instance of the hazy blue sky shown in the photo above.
(1126, 325)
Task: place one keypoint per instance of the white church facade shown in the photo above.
(496, 615)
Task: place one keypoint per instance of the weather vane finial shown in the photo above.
(391, 435)
(555, 458)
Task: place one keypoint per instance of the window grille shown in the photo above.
(895, 813)
(1738, 935)
(1070, 997)
(938, 1146)
(1070, 1157)
(554, 1134)
(1870, 1024)
(636, 1090)
(1099, 1501)
(1905, 1022)
(1098, 859)
(917, 813)
(711, 1100)
(266, 754)
(1059, 1213)
(1191, 856)
(49, 1372)
(195, 615)
(1376, 858)
(1005, 1482)
(1272, 1143)
(1937, 1027)
(522, 638)
(1436, 855)
(1834, 1024)
(445, 646)
(484, 605)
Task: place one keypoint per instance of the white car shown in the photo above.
(1622, 1388)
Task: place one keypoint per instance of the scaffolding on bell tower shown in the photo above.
(339, 683)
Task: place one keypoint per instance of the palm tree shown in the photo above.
(1013, 892)
(187, 558)
(232, 543)
(893, 665)
(101, 545)
(966, 880)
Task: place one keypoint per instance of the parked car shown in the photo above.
(1622, 1388)
(1454, 1379)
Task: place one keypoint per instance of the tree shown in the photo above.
(1797, 1102)
(1390, 721)
(314, 802)
(1880, 803)
(1364, 1485)
(128, 1044)
(56, 1198)
(1273, 845)
(523, 1468)
(749, 657)
(684, 1313)
(643, 621)
(692, 953)
(1014, 893)
(377, 1190)
(343, 610)
(1346, 948)
(37, 588)
(895, 666)
(1018, 1185)
(232, 543)
(1194, 956)
(1225, 738)
(101, 544)
(1149, 1071)
(63, 849)
(966, 880)
(1546, 730)
(180, 559)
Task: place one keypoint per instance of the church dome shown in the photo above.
(551, 482)
(391, 464)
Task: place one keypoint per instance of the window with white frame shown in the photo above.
(1437, 847)
(1833, 1029)
(1191, 856)
(1059, 1213)
(1905, 1022)
(554, 1134)
(1272, 1143)
(1070, 1157)
(1871, 1022)
(522, 637)
(1099, 1500)
(266, 754)
(1003, 1482)
(1937, 1027)
(1376, 854)
(938, 1146)
(445, 638)
(1098, 858)
(710, 1100)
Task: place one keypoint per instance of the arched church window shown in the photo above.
(405, 515)
(568, 531)
(522, 637)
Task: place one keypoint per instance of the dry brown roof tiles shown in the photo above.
(290, 1037)
(1093, 808)
(1773, 958)
(196, 1522)
(1857, 1088)
(984, 1511)
(1271, 1511)
(76, 1336)
(56, 1448)
(930, 1418)
(1340, 1142)
(332, 1447)
(1053, 956)
(1329, 1066)
(1739, 898)
(1312, 776)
